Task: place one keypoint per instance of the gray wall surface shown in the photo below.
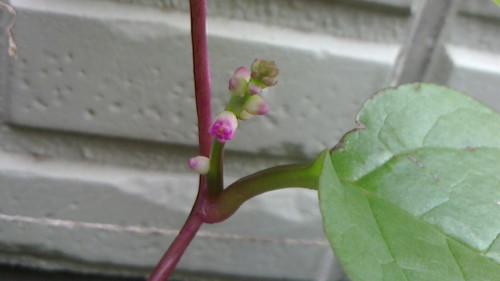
(97, 121)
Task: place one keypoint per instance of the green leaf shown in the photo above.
(497, 2)
(414, 193)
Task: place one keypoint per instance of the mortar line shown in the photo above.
(148, 230)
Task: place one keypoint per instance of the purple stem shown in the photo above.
(202, 84)
(202, 81)
(170, 259)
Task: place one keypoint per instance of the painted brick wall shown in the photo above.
(98, 109)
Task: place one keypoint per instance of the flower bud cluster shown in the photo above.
(245, 85)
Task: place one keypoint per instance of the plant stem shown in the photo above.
(179, 245)
(215, 177)
(202, 83)
(295, 175)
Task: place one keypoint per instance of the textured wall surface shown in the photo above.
(98, 120)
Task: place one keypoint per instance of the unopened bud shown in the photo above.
(245, 115)
(199, 164)
(242, 72)
(254, 89)
(238, 86)
(256, 105)
(266, 72)
(239, 82)
(224, 126)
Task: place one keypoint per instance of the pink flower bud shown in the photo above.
(224, 126)
(254, 89)
(242, 72)
(199, 164)
(238, 83)
(256, 105)
(238, 86)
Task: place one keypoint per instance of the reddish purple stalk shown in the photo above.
(202, 80)
(202, 83)
(174, 253)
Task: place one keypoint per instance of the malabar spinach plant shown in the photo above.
(412, 194)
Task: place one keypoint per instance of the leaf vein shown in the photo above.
(462, 272)
(385, 240)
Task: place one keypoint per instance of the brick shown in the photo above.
(77, 211)
(475, 32)
(384, 21)
(132, 253)
(143, 90)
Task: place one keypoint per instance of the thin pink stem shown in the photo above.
(202, 83)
